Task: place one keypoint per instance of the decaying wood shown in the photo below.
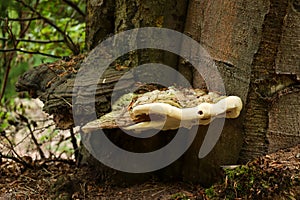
(53, 84)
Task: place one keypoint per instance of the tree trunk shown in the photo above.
(255, 45)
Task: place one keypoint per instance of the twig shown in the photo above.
(74, 6)
(74, 143)
(60, 97)
(23, 139)
(67, 161)
(19, 158)
(7, 58)
(67, 38)
(23, 26)
(7, 63)
(156, 193)
(34, 41)
(33, 137)
(19, 19)
(30, 52)
(41, 129)
(61, 139)
(14, 159)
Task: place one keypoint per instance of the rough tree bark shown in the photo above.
(255, 45)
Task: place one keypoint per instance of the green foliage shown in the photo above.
(7, 119)
(180, 196)
(49, 136)
(210, 192)
(54, 28)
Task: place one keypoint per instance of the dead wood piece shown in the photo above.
(53, 83)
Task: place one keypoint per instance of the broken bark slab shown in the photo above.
(53, 84)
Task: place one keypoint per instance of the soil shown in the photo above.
(62, 179)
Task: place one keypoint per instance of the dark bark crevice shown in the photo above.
(263, 71)
(99, 21)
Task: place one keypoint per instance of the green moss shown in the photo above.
(251, 182)
(180, 196)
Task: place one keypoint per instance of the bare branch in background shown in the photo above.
(7, 64)
(59, 160)
(74, 143)
(73, 47)
(13, 158)
(19, 19)
(34, 41)
(14, 31)
(7, 58)
(18, 158)
(24, 119)
(23, 25)
(30, 52)
(74, 6)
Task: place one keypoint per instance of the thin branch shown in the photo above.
(30, 52)
(35, 140)
(67, 161)
(11, 147)
(19, 19)
(7, 64)
(74, 6)
(74, 143)
(68, 40)
(14, 159)
(25, 28)
(34, 41)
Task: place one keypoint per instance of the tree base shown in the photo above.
(188, 167)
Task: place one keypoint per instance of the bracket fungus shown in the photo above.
(167, 109)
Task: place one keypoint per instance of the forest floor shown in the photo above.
(275, 176)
